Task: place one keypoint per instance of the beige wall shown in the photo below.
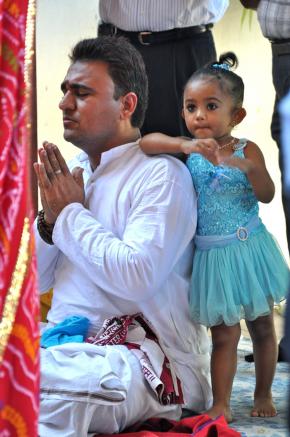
(61, 23)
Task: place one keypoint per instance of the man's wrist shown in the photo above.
(44, 228)
(47, 220)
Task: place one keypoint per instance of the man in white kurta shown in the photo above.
(122, 247)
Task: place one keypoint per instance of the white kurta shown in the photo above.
(128, 250)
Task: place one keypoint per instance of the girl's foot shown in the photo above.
(218, 410)
(263, 407)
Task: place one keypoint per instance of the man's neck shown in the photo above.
(128, 137)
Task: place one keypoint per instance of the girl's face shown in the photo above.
(208, 111)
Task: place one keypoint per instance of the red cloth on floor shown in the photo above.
(196, 426)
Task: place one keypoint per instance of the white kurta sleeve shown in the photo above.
(160, 224)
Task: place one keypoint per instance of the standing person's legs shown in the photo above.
(281, 82)
(262, 332)
(169, 65)
(223, 367)
(276, 132)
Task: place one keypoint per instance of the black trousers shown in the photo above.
(281, 81)
(169, 65)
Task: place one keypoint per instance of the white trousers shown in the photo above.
(87, 389)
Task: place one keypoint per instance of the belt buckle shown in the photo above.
(242, 233)
(140, 38)
(114, 30)
(107, 29)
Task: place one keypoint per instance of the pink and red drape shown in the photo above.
(19, 307)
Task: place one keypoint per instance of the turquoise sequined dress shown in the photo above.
(238, 268)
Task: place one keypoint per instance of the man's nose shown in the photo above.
(67, 101)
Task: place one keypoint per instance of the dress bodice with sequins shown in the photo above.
(225, 196)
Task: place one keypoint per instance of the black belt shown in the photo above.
(281, 46)
(148, 38)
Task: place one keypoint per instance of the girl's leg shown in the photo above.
(223, 367)
(265, 350)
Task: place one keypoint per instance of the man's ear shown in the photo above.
(129, 103)
(238, 116)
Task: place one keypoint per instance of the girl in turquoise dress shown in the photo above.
(238, 269)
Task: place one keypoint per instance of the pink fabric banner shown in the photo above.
(19, 304)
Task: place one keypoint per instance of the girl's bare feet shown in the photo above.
(218, 410)
(263, 407)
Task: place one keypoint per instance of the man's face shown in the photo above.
(91, 115)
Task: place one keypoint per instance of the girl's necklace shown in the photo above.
(230, 143)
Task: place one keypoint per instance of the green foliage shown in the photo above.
(247, 15)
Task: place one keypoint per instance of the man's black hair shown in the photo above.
(125, 66)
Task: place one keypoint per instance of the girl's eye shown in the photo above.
(190, 108)
(212, 106)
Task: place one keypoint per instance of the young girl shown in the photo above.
(238, 270)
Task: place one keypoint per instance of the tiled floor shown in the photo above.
(242, 398)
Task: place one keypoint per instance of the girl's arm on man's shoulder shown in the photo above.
(156, 143)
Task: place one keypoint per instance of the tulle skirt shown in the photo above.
(240, 280)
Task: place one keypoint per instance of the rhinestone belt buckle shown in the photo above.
(242, 233)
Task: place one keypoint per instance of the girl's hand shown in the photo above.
(208, 148)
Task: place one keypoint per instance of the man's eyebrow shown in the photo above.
(74, 86)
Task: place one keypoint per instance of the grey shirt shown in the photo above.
(158, 15)
(274, 18)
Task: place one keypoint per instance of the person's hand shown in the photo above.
(58, 186)
(208, 148)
